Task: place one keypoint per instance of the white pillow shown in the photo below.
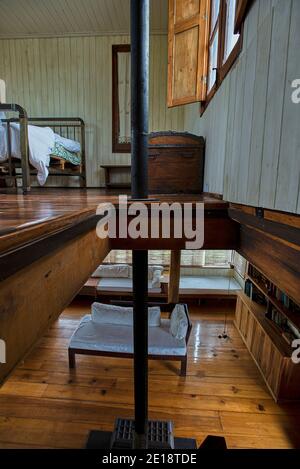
(120, 315)
(151, 269)
(112, 270)
(179, 322)
(70, 145)
(155, 283)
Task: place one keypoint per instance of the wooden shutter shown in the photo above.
(188, 51)
(241, 9)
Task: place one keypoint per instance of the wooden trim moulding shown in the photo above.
(16, 259)
(283, 226)
(278, 260)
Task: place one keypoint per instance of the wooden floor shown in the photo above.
(43, 404)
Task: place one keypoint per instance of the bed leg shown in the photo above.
(183, 366)
(71, 358)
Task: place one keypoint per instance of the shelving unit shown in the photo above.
(265, 340)
(294, 318)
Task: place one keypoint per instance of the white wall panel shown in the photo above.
(261, 156)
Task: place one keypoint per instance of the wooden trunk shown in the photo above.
(176, 163)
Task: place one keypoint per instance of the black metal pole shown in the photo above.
(139, 184)
(140, 313)
(139, 97)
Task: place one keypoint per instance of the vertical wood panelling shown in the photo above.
(67, 77)
(262, 141)
(259, 109)
(237, 124)
(248, 100)
(275, 94)
(229, 134)
(288, 175)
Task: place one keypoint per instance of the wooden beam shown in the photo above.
(16, 259)
(278, 259)
(220, 232)
(285, 227)
(32, 298)
(173, 293)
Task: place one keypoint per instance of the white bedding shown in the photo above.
(70, 145)
(41, 142)
(121, 285)
(119, 339)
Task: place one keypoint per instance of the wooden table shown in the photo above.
(109, 168)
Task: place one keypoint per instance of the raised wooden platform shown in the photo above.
(49, 248)
(49, 206)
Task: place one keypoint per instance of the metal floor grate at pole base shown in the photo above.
(160, 437)
(160, 434)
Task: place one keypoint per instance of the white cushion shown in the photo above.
(209, 285)
(120, 285)
(119, 339)
(179, 322)
(120, 315)
(112, 271)
(151, 269)
(154, 268)
(122, 271)
(156, 279)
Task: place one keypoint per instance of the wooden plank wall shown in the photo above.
(35, 296)
(41, 18)
(252, 125)
(71, 76)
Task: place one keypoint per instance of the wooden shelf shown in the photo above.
(259, 312)
(269, 350)
(118, 185)
(294, 318)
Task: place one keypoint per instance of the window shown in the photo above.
(189, 258)
(224, 44)
(230, 39)
(240, 264)
(205, 38)
(213, 44)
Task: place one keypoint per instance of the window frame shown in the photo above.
(222, 67)
(114, 258)
(211, 37)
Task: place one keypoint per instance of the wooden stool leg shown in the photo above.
(107, 177)
(183, 366)
(72, 362)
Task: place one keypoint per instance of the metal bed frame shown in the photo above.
(68, 127)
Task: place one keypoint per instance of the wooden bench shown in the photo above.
(121, 168)
(115, 340)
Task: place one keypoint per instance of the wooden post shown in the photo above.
(173, 293)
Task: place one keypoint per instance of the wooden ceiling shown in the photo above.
(46, 18)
